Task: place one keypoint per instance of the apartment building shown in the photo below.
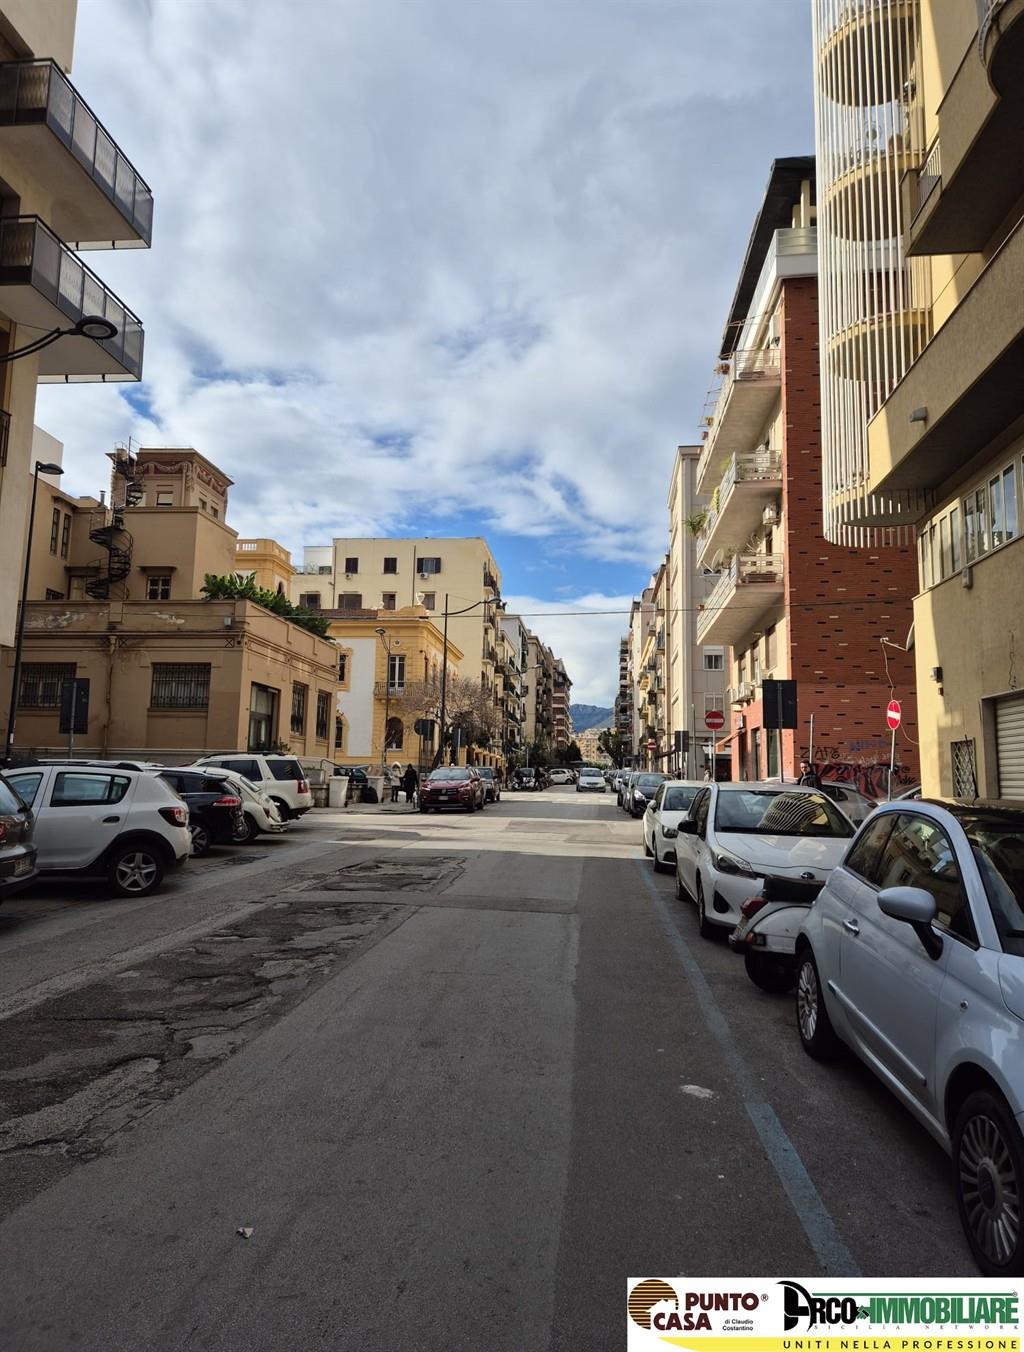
(641, 620)
(561, 698)
(115, 606)
(932, 442)
(539, 682)
(589, 743)
(695, 674)
(515, 654)
(622, 717)
(267, 563)
(65, 187)
(389, 679)
(787, 602)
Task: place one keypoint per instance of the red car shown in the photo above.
(452, 786)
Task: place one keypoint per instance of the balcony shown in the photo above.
(750, 486)
(751, 585)
(389, 689)
(1001, 43)
(744, 403)
(743, 693)
(489, 579)
(99, 199)
(264, 546)
(44, 285)
(881, 28)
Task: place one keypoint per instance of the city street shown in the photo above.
(453, 1078)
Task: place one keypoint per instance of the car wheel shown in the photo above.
(819, 1038)
(773, 973)
(704, 926)
(423, 808)
(988, 1173)
(470, 807)
(135, 870)
(200, 840)
(248, 832)
(283, 808)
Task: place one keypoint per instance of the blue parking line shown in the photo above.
(821, 1231)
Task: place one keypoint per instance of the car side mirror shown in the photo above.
(686, 827)
(916, 907)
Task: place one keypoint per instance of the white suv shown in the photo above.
(95, 820)
(282, 777)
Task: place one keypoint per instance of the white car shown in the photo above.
(559, 776)
(281, 777)
(590, 781)
(664, 812)
(736, 834)
(913, 956)
(128, 826)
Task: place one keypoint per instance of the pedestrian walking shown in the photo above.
(395, 781)
(707, 774)
(410, 782)
(809, 776)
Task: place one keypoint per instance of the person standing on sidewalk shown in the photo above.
(410, 782)
(395, 780)
(809, 776)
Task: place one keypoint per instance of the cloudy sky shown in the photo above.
(440, 267)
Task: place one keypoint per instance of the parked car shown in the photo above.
(642, 788)
(282, 777)
(17, 851)
(737, 834)
(128, 826)
(853, 804)
(458, 787)
(590, 781)
(671, 802)
(259, 811)
(525, 778)
(913, 956)
(914, 791)
(492, 789)
(622, 792)
(214, 806)
(560, 775)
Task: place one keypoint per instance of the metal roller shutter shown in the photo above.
(1010, 746)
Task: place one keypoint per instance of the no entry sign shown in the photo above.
(893, 715)
(714, 719)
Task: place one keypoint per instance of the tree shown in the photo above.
(569, 755)
(236, 587)
(468, 707)
(615, 746)
(540, 752)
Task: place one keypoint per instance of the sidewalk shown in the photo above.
(373, 808)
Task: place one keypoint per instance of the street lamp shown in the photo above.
(42, 467)
(89, 326)
(387, 691)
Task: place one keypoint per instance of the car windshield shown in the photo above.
(678, 800)
(485, 772)
(997, 841)
(766, 812)
(447, 775)
(648, 781)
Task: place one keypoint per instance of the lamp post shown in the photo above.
(387, 692)
(89, 326)
(41, 467)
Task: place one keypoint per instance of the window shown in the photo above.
(970, 531)
(919, 854)
(204, 505)
(965, 780)
(926, 563)
(214, 513)
(771, 648)
(391, 565)
(396, 672)
(283, 769)
(309, 600)
(394, 735)
(714, 702)
(42, 682)
(1003, 498)
(180, 685)
(343, 667)
(55, 530)
(339, 733)
(158, 587)
(323, 714)
(65, 535)
(52, 595)
(351, 565)
(388, 600)
(935, 561)
(263, 704)
(165, 497)
(866, 855)
(981, 519)
(954, 539)
(79, 790)
(714, 661)
(299, 694)
(350, 601)
(945, 553)
(430, 600)
(428, 565)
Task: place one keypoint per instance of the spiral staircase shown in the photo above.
(109, 531)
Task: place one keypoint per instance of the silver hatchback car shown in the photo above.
(913, 955)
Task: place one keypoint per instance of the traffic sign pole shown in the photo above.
(893, 716)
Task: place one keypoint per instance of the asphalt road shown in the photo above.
(461, 1077)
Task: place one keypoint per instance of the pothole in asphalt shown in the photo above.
(391, 875)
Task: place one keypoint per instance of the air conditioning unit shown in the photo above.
(769, 516)
(424, 576)
(348, 575)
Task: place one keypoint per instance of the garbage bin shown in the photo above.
(337, 790)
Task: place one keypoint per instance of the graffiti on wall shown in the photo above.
(859, 765)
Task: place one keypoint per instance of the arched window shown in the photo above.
(395, 735)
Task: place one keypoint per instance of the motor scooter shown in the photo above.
(766, 936)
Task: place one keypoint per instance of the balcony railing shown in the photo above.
(270, 547)
(31, 256)
(761, 466)
(744, 570)
(747, 367)
(389, 689)
(34, 92)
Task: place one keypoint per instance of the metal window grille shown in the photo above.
(350, 601)
(339, 733)
(965, 778)
(158, 587)
(65, 536)
(180, 685)
(42, 682)
(299, 695)
(323, 714)
(54, 530)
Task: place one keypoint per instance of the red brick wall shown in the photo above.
(839, 601)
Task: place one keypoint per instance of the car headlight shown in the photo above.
(730, 863)
(669, 832)
(638, 796)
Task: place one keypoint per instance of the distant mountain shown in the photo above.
(586, 716)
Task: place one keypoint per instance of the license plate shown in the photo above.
(442, 796)
(23, 865)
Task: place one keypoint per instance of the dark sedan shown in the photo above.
(17, 853)
(457, 787)
(215, 814)
(641, 790)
